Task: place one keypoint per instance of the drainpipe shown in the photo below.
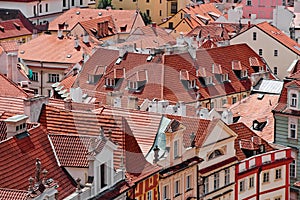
(258, 183)
(198, 185)
(42, 78)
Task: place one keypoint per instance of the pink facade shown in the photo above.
(263, 9)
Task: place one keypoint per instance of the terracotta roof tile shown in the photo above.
(247, 110)
(13, 28)
(247, 140)
(13, 194)
(9, 89)
(17, 162)
(9, 46)
(55, 50)
(75, 15)
(213, 31)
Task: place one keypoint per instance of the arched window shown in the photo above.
(214, 154)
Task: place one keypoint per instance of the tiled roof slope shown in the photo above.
(279, 36)
(18, 157)
(248, 111)
(13, 28)
(54, 49)
(102, 57)
(10, 45)
(13, 194)
(214, 31)
(144, 125)
(246, 135)
(168, 84)
(122, 18)
(9, 89)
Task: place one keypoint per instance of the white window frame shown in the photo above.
(149, 195)
(254, 35)
(177, 187)
(293, 126)
(209, 80)
(205, 185)
(260, 52)
(216, 181)
(226, 176)
(35, 76)
(53, 78)
(110, 82)
(165, 192)
(293, 100)
(266, 177)
(278, 173)
(251, 182)
(275, 70)
(242, 185)
(244, 73)
(192, 84)
(224, 77)
(275, 52)
(176, 149)
(188, 179)
(132, 85)
(293, 168)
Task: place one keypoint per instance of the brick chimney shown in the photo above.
(16, 125)
(105, 28)
(100, 29)
(33, 106)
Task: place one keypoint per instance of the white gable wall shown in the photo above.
(268, 45)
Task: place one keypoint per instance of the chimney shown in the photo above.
(68, 104)
(33, 106)
(162, 106)
(86, 39)
(105, 27)
(60, 31)
(181, 108)
(76, 42)
(156, 150)
(204, 114)
(227, 117)
(100, 29)
(16, 125)
(132, 102)
(12, 67)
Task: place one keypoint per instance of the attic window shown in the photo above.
(92, 79)
(17, 26)
(214, 154)
(224, 78)
(192, 84)
(136, 86)
(259, 125)
(244, 73)
(209, 80)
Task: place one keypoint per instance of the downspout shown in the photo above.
(258, 183)
(42, 78)
(198, 185)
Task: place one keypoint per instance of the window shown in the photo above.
(160, 12)
(109, 82)
(188, 182)
(293, 102)
(34, 77)
(227, 176)
(149, 195)
(192, 84)
(266, 177)
(216, 181)
(214, 154)
(254, 35)
(244, 73)
(73, 2)
(160, 1)
(176, 149)
(53, 78)
(205, 185)
(275, 52)
(49, 93)
(64, 3)
(41, 8)
(170, 25)
(35, 91)
(46, 9)
(251, 182)
(80, 2)
(249, 2)
(293, 129)
(275, 70)
(293, 169)
(224, 77)
(147, 1)
(34, 10)
(224, 101)
(103, 178)
(233, 100)
(177, 188)
(132, 84)
(242, 185)
(173, 7)
(209, 80)
(148, 12)
(278, 174)
(260, 52)
(165, 192)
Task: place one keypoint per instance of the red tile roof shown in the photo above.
(214, 31)
(247, 110)
(13, 194)
(55, 50)
(247, 139)
(13, 28)
(75, 15)
(9, 46)
(9, 89)
(17, 162)
(279, 36)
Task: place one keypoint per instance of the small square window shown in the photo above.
(278, 174)
(266, 177)
(251, 182)
(275, 70)
(275, 52)
(242, 185)
(254, 36)
(260, 52)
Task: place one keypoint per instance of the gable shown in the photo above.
(138, 31)
(219, 133)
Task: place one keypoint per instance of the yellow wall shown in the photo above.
(24, 38)
(175, 19)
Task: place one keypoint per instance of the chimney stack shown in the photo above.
(76, 42)
(33, 106)
(16, 125)
(105, 27)
(86, 39)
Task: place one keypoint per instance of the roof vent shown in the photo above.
(260, 96)
(69, 56)
(77, 13)
(2, 28)
(100, 13)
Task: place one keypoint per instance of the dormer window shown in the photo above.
(224, 77)
(192, 84)
(214, 154)
(109, 82)
(132, 85)
(93, 79)
(244, 73)
(209, 80)
(293, 102)
(136, 86)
